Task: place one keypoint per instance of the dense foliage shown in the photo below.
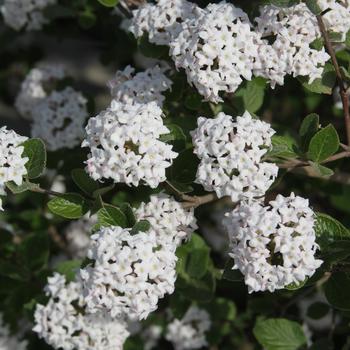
(196, 198)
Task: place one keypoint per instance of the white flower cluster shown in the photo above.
(36, 86)
(231, 156)
(171, 222)
(273, 246)
(189, 332)
(59, 119)
(25, 13)
(292, 30)
(144, 87)
(12, 164)
(64, 323)
(216, 49)
(125, 146)
(162, 22)
(8, 341)
(218, 46)
(337, 15)
(77, 235)
(129, 273)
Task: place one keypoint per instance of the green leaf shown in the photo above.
(329, 230)
(283, 3)
(35, 250)
(198, 262)
(184, 167)
(345, 74)
(176, 133)
(347, 40)
(322, 170)
(195, 282)
(308, 129)
(111, 216)
(282, 147)
(324, 144)
(279, 334)
(26, 185)
(322, 85)
(69, 268)
(295, 286)
(222, 312)
(193, 101)
(141, 226)
(151, 50)
(103, 190)
(129, 213)
(84, 181)
(35, 150)
(313, 6)
(253, 95)
(69, 206)
(337, 290)
(109, 3)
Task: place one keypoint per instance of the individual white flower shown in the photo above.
(162, 21)
(291, 30)
(26, 14)
(337, 15)
(124, 145)
(128, 87)
(59, 119)
(217, 49)
(129, 273)
(189, 332)
(9, 341)
(64, 323)
(12, 163)
(274, 245)
(36, 86)
(171, 222)
(78, 236)
(231, 156)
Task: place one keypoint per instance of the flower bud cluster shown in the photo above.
(38, 83)
(12, 162)
(125, 146)
(64, 323)
(231, 154)
(274, 245)
(59, 119)
(144, 87)
(189, 332)
(28, 14)
(129, 273)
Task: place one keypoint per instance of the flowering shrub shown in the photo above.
(174, 174)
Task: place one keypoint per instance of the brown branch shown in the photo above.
(342, 88)
(44, 191)
(337, 156)
(196, 201)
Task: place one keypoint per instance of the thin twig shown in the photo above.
(44, 191)
(337, 156)
(342, 88)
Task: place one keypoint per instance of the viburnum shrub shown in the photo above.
(175, 175)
